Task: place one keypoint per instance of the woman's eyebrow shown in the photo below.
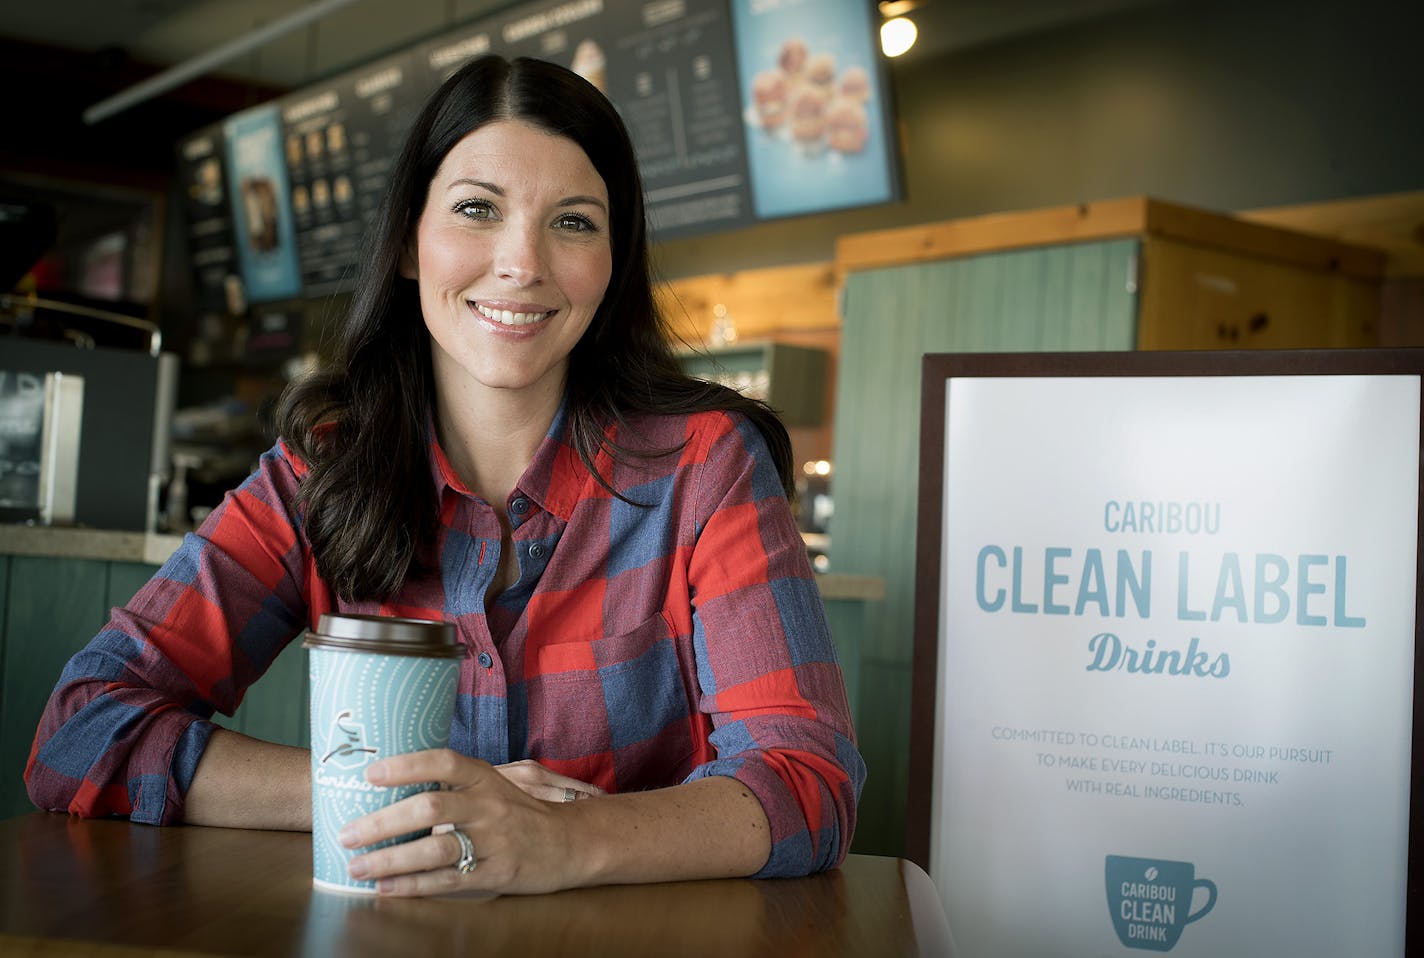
(465, 181)
(584, 201)
(579, 200)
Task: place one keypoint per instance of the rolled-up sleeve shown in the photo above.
(766, 664)
(128, 720)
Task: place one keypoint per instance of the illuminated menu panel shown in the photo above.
(739, 111)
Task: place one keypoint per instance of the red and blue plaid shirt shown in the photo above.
(642, 645)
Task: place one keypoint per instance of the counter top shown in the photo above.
(107, 545)
(75, 887)
(155, 548)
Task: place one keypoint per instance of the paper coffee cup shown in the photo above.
(380, 686)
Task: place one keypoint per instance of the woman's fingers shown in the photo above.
(542, 783)
(417, 813)
(451, 771)
(433, 852)
(449, 768)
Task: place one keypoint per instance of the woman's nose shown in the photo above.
(520, 256)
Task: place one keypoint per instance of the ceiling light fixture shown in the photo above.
(188, 69)
(898, 32)
(897, 35)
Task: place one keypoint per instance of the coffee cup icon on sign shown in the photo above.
(1150, 900)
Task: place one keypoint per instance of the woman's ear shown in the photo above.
(407, 267)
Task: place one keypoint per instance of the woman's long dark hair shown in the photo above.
(359, 422)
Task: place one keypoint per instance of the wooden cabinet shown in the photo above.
(1196, 297)
(1200, 280)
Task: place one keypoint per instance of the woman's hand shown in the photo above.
(712, 827)
(540, 782)
(514, 816)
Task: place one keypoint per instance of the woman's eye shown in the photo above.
(576, 222)
(475, 209)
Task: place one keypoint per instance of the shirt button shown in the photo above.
(486, 660)
(536, 551)
(519, 506)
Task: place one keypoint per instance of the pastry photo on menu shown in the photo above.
(591, 63)
(808, 101)
(259, 200)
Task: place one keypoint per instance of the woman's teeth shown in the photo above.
(509, 318)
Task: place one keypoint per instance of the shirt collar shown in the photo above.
(554, 480)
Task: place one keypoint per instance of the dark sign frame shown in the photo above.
(938, 369)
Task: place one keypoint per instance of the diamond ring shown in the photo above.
(467, 862)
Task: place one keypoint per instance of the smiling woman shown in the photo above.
(503, 440)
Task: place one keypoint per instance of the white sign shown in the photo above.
(1176, 664)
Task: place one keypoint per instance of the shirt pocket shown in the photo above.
(620, 702)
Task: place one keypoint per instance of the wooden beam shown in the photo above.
(994, 232)
(1106, 219)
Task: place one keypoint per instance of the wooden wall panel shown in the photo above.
(1073, 297)
(55, 607)
(1197, 297)
(763, 303)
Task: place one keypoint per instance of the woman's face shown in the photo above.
(512, 256)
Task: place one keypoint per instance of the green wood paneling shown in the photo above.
(884, 741)
(55, 607)
(1062, 298)
(275, 707)
(846, 618)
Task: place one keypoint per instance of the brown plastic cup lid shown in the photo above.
(387, 635)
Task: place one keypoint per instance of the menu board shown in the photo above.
(1170, 627)
(439, 58)
(818, 135)
(208, 214)
(341, 140)
(261, 204)
(689, 78)
(665, 66)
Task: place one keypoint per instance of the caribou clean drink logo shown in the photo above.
(1150, 900)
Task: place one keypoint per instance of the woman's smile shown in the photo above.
(512, 316)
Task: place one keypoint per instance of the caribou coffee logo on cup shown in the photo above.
(1150, 900)
(346, 746)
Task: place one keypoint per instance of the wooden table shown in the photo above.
(109, 889)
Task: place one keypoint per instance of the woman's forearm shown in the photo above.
(709, 828)
(242, 782)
